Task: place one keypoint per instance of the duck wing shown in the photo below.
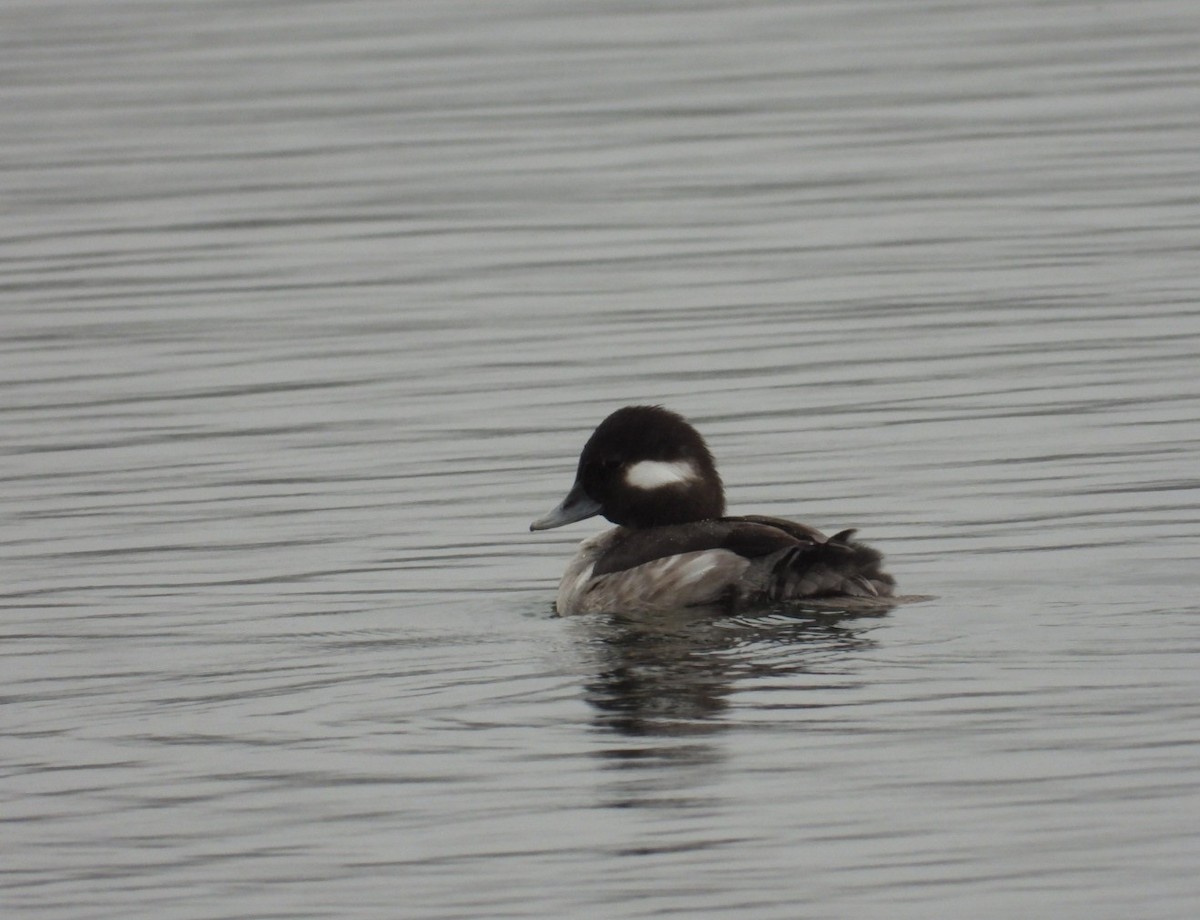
(750, 539)
(742, 561)
(801, 532)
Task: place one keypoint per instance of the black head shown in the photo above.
(644, 466)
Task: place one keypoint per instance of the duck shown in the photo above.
(647, 470)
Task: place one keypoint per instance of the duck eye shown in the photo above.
(608, 464)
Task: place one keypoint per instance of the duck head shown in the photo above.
(644, 466)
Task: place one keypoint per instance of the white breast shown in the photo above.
(671, 583)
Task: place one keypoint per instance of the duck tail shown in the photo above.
(838, 567)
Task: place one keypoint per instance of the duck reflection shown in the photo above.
(662, 685)
(673, 675)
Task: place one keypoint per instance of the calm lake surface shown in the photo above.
(307, 310)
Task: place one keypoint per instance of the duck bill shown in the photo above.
(575, 507)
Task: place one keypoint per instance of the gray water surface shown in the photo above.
(306, 311)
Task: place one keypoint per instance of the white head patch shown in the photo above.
(654, 474)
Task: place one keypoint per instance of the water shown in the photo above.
(307, 309)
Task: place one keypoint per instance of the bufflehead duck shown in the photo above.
(649, 472)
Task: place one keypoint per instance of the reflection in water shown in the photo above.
(673, 675)
(668, 679)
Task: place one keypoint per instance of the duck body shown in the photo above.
(649, 472)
